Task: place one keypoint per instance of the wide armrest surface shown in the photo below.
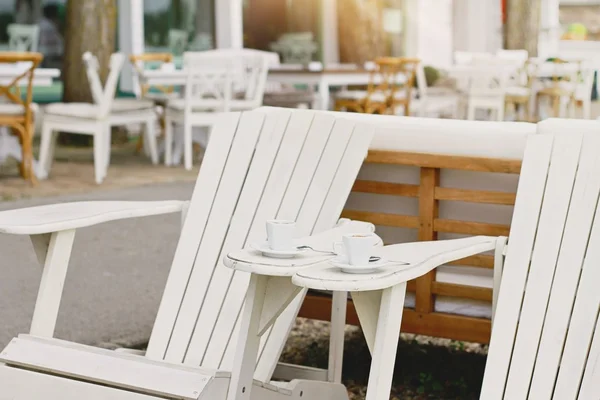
(412, 261)
(65, 216)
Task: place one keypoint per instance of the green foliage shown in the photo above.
(431, 75)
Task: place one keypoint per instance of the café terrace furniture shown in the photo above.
(431, 179)
(17, 112)
(558, 88)
(216, 82)
(484, 87)
(161, 94)
(96, 119)
(392, 90)
(433, 101)
(23, 38)
(315, 159)
(545, 341)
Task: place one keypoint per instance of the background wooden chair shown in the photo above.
(161, 94)
(560, 88)
(17, 113)
(390, 86)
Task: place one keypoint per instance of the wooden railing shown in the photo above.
(423, 319)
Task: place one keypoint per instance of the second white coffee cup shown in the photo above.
(280, 234)
(358, 247)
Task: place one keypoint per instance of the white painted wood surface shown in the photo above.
(56, 263)
(250, 172)
(545, 335)
(421, 257)
(250, 260)
(96, 119)
(282, 140)
(106, 367)
(65, 216)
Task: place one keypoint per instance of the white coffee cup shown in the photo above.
(280, 234)
(358, 247)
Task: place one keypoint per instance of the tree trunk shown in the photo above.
(91, 26)
(523, 25)
(360, 29)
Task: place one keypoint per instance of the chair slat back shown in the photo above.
(25, 65)
(23, 38)
(248, 70)
(544, 331)
(138, 61)
(103, 95)
(209, 83)
(261, 165)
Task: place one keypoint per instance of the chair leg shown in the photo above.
(187, 146)
(100, 157)
(500, 112)
(587, 109)
(168, 141)
(108, 141)
(471, 112)
(151, 139)
(47, 147)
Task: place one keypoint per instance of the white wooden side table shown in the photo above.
(271, 291)
(378, 298)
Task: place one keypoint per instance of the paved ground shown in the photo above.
(116, 276)
(73, 172)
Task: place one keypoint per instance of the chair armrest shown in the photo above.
(413, 260)
(67, 216)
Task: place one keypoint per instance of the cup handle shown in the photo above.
(338, 248)
(377, 241)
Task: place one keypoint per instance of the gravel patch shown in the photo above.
(426, 367)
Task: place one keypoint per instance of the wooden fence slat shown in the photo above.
(396, 189)
(465, 163)
(383, 219)
(461, 291)
(481, 261)
(475, 196)
(470, 228)
(428, 213)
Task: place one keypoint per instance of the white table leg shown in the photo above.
(380, 314)
(336, 336)
(323, 95)
(55, 260)
(266, 298)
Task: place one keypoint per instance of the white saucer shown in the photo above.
(264, 248)
(354, 269)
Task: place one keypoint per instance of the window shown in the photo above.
(47, 15)
(174, 26)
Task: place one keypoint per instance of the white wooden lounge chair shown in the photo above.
(258, 165)
(545, 340)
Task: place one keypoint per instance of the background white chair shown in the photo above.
(518, 56)
(487, 91)
(432, 103)
(94, 119)
(467, 57)
(217, 81)
(22, 37)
